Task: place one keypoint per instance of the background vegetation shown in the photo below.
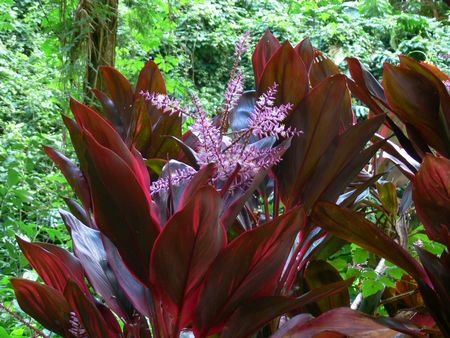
(45, 56)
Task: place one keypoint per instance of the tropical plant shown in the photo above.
(232, 235)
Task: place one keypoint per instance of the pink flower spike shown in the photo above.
(164, 103)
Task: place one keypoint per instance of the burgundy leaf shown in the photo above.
(321, 68)
(53, 264)
(264, 50)
(73, 175)
(287, 70)
(431, 194)
(122, 207)
(306, 52)
(319, 121)
(249, 317)
(88, 247)
(344, 321)
(346, 224)
(87, 313)
(247, 269)
(188, 244)
(45, 304)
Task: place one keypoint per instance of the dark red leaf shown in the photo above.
(45, 304)
(431, 196)
(120, 92)
(319, 274)
(416, 101)
(247, 269)
(188, 244)
(319, 122)
(346, 224)
(344, 321)
(248, 318)
(365, 79)
(88, 247)
(306, 52)
(264, 50)
(321, 68)
(53, 264)
(87, 313)
(72, 174)
(122, 207)
(287, 70)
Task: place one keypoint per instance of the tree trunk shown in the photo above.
(100, 18)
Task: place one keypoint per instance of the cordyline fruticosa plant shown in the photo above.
(225, 229)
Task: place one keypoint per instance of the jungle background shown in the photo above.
(50, 50)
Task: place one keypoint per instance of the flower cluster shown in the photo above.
(76, 328)
(267, 119)
(230, 150)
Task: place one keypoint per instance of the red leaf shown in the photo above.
(365, 79)
(248, 268)
(73, 175)
(344, 321)
(287, 70)
(431, 194)
(184, 251)
(88, 314)
(121, 207)
(44, 304)
(306, 52)
(150, 125)
(88, 247)
(264, 50)
(352, 227)
(249, 317)
(120, 92)
(416, 101)
(318, 119)
(321, 68)
(54, 265)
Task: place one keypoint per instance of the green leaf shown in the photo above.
(370, 287)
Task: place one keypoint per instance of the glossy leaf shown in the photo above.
(319, 274)
(72, 174)
(287, 70)
(53, 264)
(342, 320)
(247, 269)
(121, 208)
(416, 101)
(353, 227)
(88, 247)
(431, 195)
(45, 304)
(319, 122)
(264, 50)
(321, 68)
(184, 251)
(86, 311)
(306, 52)
(251, 316)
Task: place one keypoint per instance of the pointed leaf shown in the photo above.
(353, 227)
(319, 121)
(121, 93)
(264, 50)
(184, 251)
(248, 268)
(122, 208)
(88, 247)
(72, 174)
(321, 68)
(248, 318)
(306, 52)
(431, 194)
(86, 311)
(287, 70)
(344, 321)
(53, 264)
(44, 304)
